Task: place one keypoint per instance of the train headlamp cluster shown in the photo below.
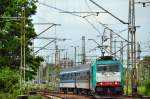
(108, 84)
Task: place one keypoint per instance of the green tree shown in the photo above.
(10, 35)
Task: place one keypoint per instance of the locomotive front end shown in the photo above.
(108, 79)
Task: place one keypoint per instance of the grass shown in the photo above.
(34, 97)
(7, 96)
(10, 96)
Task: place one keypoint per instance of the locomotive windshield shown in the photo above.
(107, 68)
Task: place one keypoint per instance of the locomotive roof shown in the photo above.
(82, 67)
(103, 58)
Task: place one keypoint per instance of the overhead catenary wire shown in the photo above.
(108, 29)
(44, 46)
(58, 9)
(61, 10)
(105, 25)
(87, 21)
(92, 25)
(108, 12)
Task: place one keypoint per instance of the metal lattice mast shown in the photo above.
(24, 45)
(22, 50)
(83, 50)
(121, 52)
(131, 57)
(111, 39)
(56, 49)
(21, 54)
(138, 60)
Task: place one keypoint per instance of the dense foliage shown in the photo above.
(144, 76)
(10, 35)
(144, 68)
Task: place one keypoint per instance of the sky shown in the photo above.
(74, 27)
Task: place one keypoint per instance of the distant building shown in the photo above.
(66, 62)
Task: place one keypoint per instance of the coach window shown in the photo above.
(61, 77)
(70, 76)
(73, 76)
(64, 76)
(87, 75)
(78, 76)
(82, 76)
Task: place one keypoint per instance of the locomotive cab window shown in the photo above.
(107, 68)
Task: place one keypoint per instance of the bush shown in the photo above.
(147, 87)
(9, 80)
(144, 88)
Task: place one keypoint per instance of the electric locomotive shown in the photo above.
(107, 76)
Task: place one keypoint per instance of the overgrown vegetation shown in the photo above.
(10, 45)
(143, 78)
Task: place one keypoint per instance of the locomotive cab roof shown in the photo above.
(105, 58)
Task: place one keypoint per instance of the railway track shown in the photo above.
(122, 97)
(49, 95)
(59, 95)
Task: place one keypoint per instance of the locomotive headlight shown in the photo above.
(116, 83)
(101, 83)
